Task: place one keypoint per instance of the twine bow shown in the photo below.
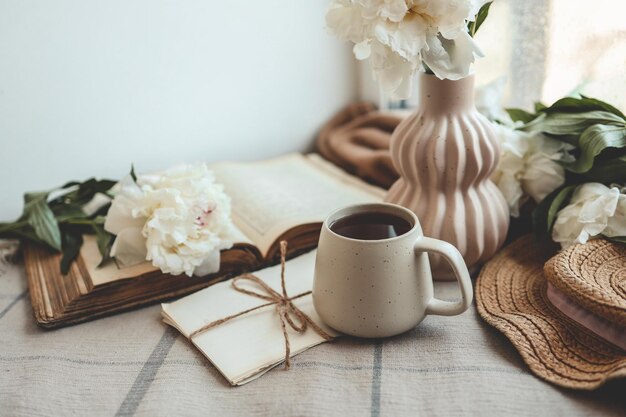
(288, 313)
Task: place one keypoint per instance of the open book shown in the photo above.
(285, 198)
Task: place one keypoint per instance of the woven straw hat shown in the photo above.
(594, 276)
(511, 296)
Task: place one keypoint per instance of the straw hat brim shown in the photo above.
(511, 296)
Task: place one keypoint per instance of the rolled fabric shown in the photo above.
(357, 140)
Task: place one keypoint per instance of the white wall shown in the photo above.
(88, 87)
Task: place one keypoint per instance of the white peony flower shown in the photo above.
(593, 210)
(544, 173)
(507, 175)
(398, 35)
(530, 163)
(179, 220)
(529, 166)
(451, 58)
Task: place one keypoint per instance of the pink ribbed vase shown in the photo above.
(445, 153)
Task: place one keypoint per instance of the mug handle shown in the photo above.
(454, 258)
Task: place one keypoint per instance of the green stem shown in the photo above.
(87, 222)
(11, 227)
(18, 230)
(427, 69)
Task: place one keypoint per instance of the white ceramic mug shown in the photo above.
(380, 288)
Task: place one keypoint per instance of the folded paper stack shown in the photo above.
(245, 347)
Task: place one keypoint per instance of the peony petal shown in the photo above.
(542, 177)
(406, 38)
(362, 50)
(394, 73)
(209, 265)
(598, 209)
(394, 10)
(347, 21)
(567, 230)
(451, 15)
(450, 58)
(119, 216)
(617, 224)
(588, 191)
(129, 247)
(98, 201)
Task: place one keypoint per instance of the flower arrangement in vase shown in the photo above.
(446, 151)
(567, 163)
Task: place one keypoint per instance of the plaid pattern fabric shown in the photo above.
(134, 365)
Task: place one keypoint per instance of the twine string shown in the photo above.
(287, 312)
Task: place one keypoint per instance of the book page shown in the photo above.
(245, 347)
(271, 197)
(268, 198)
(110, 271)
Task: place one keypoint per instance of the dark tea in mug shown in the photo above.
(370, 226)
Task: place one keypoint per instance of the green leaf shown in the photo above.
(540, 107)
(572, 123)
(88, 189)
(100, 220)
(71, 248)
(26, 233)
(132, 173)
(84, 192)
(105, 241)
(39, 215)
(560, 200)
(618, 239)
(583, 104)
(19, 229)
(593, 141)
(65, 212)
(545, 213)
(604, 106)
(519, 115)
(571, 139)
(49, 222)
(608, 170)
(472, 27)
(10, 227)
(70, 184)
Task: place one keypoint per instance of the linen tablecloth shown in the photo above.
(134, 365)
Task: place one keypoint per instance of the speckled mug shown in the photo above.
(381, 288)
